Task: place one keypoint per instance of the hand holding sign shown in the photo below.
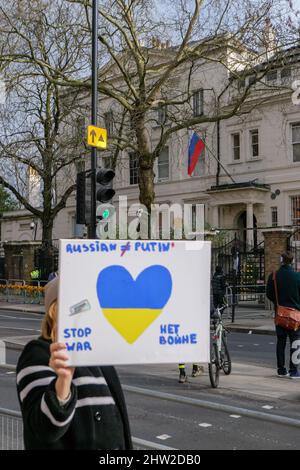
(146, 304)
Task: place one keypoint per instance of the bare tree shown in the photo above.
(37, 145)
(153, 82)
(151, 54)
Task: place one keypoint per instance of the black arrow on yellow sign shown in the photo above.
(93, 135)
(97, 137)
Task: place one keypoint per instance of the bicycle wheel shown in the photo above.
(225, 357)
(214, 366)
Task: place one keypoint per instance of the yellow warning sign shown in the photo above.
(97, 137)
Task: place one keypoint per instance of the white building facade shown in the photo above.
(248, 176)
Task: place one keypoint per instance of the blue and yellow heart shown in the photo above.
(131, 305)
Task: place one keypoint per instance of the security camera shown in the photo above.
(32, 225)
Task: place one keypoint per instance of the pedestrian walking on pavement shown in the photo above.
(218, 283)
(288, 292)
(52, 275)
(65, 407)
(196, 371)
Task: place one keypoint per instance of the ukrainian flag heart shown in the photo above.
(131, 305)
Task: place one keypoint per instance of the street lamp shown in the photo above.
(33, 227)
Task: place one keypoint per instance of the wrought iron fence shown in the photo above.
(20, 291)
(11, 430)
(11, 434)
(254, 294)
(294, 248)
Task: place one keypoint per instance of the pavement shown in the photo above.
(247, 318)
(245, 380)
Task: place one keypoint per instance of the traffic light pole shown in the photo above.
(92, 226)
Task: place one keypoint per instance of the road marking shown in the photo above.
(255, 344)
(271, 343)
(269, 417)
(235, 416)
(2, 352)
(149, 445)
(19, 318)
(240, 345)
(268, 407)
(14, 328)
(8, 373)
(163, 437)
(205, 425)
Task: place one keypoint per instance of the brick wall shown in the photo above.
(275, 244)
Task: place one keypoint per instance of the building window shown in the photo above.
(163, 164)
(133, 169)
(271, 75)
(24, 226)
(109, 122)
(254, 143)
(296, 141)
(285, 74)
(80, 165)
(252, 80)
(241, 84)
(79, 129)
(107, 162)
(162, 115)
(274, 216)
(236, 146)
(198, 103)
(295, 210)
(199, 169)
(73, 225)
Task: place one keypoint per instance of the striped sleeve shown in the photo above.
(42, 413)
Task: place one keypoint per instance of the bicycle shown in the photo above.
(219, 354)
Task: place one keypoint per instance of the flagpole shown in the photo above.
(217, 160)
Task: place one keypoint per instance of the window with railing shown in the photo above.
(296, 141)
(162, 115)
(274, 216)
(163, 164)
(295, 210)
(236, 146)
(271, 76)
(109, 122)
(198, 103)
(254, 143)
(133, 169)
(286, 74)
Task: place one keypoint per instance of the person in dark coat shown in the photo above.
(64, 407)
(288, 288)
(218, 284)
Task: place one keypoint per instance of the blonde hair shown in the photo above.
(49, 323)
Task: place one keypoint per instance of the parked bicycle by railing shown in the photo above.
(219, 354)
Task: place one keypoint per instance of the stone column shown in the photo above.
(19, 259)
(275, 244)
(250, 234)
(215, 216)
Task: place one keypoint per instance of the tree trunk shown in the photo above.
(46, 252)
(47, 230)
(146, 182)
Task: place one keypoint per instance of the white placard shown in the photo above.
(134, 302)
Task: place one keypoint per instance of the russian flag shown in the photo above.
(196, 147)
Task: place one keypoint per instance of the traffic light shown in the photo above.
(104, 189)
(81, 198)
(104, 193)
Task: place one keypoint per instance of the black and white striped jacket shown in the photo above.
(95, 417)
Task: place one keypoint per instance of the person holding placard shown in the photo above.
(65, 407)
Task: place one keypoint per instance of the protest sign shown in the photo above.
(134, 302)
